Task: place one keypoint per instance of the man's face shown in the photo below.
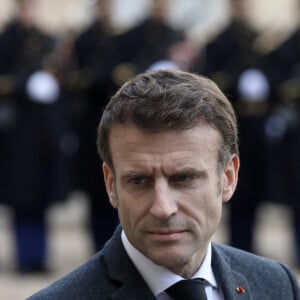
(168, 193)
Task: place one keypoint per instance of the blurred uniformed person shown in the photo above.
(283, 126)
(234, 62)
(95, 54)
(7, 123)
(147, 42)
(28, 79)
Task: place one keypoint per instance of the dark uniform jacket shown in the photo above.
(35, 157)
(147, 43)
(284, 77)
(230, 54)
(95, 55)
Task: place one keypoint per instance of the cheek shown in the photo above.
(131, 211)
(214, 213)
(205, 207)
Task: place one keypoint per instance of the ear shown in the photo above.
(230, 177)
(109, 180)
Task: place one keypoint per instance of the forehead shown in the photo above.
(128, 142)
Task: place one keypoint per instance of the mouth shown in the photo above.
(166, 235)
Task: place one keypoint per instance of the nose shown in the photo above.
(163, 203)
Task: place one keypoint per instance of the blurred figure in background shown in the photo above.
(234, 62)
(183, 55)
(147, 42)
(7, 124)
(28, 79)
(283, 126)
(95, 55)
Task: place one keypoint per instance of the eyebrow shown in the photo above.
(187, 170)
(132, 173)
(191, 171)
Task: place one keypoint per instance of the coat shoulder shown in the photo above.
(82, 283)
(246, 261)
(262, 274)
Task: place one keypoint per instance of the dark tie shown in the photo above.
(190, 289)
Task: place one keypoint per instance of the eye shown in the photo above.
(137, 180)
(182, 178)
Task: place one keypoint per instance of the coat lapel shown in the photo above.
(234, 284)
(121, 271)
(129, 284)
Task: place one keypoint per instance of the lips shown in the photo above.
(173, 231)
(166, 235)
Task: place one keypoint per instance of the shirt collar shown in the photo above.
(159, 278)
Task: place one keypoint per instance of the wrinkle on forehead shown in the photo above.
(166, 147)
(172, 137)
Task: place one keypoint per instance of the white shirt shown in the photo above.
(159, 278)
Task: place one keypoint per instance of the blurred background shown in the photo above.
(60, 61)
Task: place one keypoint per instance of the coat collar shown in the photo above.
(131, 285)
(234, 284)
(122, 272)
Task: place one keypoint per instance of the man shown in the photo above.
(168, 140)
(147, 42)
(28, 83)
(283, 127)
(94, 52)
(230, 57)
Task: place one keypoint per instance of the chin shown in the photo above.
(169, 258)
